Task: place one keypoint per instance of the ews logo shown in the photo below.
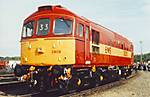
(107, 50)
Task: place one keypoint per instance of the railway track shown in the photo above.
(100, 88)
(12, 88)
(21, 89)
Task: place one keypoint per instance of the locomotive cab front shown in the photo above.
(47, 47)
(47, 39)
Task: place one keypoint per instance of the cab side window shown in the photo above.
(80, 30)
(28, 29)
(87, 33)
(95, 42)
(95, 37)
(77, 30)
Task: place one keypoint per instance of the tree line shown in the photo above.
(145, 57)
(137, 57)
(10, 58)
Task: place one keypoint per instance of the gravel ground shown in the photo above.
(138, 86)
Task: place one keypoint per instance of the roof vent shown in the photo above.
(59, 6)
(43, 8)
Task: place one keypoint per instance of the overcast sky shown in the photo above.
(130, 18)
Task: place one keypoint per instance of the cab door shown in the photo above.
(87, 45)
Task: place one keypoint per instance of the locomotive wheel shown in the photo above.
(41, 84)
(63, 86)
(79, 84)
(18, 70)
(99, 78)
(129, 72)
(53, 83)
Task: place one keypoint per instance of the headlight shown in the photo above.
(32, 68)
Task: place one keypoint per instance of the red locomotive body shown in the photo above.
(59, 45)
(102, 47)
(3, 64)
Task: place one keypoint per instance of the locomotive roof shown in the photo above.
(52, 9)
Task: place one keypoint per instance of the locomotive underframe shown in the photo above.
(67, 77)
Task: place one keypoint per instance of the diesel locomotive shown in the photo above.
(60, 49)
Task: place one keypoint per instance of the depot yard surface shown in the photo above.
(138, 86)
